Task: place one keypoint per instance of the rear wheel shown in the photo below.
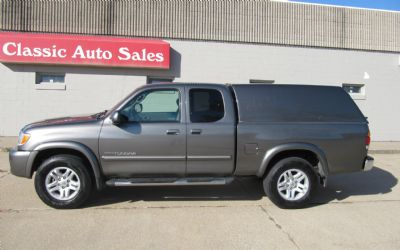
(290, 183)
(62, 181)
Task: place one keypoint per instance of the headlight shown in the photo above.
(23, 138)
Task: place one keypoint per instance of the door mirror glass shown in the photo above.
(118, 118)
(138, 108)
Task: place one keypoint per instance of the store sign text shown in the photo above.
(82, 50)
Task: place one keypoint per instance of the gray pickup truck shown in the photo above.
(292, 137)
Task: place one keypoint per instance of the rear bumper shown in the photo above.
(20, 162)
(368, 163)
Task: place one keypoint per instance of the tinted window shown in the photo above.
(154, 106)
(291, 103)
(206, 105)
(353, 88)
(49, 78)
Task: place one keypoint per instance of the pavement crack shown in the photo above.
(158, 207)
(18, 210)
(291, 239)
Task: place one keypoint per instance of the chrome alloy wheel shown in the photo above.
(62, 183)
(293, 184)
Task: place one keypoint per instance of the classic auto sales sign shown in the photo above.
(35, 48)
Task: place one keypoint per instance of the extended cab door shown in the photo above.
(153, 140)
(211, 128)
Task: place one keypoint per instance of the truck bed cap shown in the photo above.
(295, 103)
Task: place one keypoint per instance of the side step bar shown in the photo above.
(168, 181)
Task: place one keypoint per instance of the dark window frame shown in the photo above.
(39, 76)
(359, 95)
(159, 79)
(261, 81)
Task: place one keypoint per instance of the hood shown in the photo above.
(68, 120)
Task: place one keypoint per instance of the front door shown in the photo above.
(152, 142)
(211, 132)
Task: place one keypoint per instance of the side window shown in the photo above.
(206, 105)
(154, 106)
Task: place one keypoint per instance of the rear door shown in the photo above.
(211, 131)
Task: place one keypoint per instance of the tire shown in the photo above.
(294, 192)
(63, 182)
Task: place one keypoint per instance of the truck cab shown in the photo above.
(171, 130)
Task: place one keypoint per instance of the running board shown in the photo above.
(195, 181)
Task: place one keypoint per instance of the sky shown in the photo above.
(393, 5)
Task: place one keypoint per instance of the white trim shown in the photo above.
(50, 86)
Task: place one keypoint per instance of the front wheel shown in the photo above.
(290, 183)
(62, 181)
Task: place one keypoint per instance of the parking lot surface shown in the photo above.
(355, 211)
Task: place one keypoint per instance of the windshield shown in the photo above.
(122, 101)
(107, 112)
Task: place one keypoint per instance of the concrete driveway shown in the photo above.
(355, 211)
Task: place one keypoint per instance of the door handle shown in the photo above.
(172, 132)
(195, 131)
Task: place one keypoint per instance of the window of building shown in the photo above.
(261, 81)
(155, 79)
(55, 81)
(356, 91)
(206, 105)
(154, 106)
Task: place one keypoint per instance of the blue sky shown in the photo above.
(370, 4)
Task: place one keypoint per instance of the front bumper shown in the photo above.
(21, 162)
(368, 163)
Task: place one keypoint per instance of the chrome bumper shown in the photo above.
(368, 163)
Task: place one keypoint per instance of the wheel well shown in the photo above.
(45, 154)
(307, 155)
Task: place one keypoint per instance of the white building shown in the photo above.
(235, 41)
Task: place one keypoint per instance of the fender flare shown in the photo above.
(323, 169)
(91, 157)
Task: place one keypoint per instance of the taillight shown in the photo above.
(368, 139)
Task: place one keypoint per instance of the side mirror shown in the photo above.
(138, 107)
(118, 118)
